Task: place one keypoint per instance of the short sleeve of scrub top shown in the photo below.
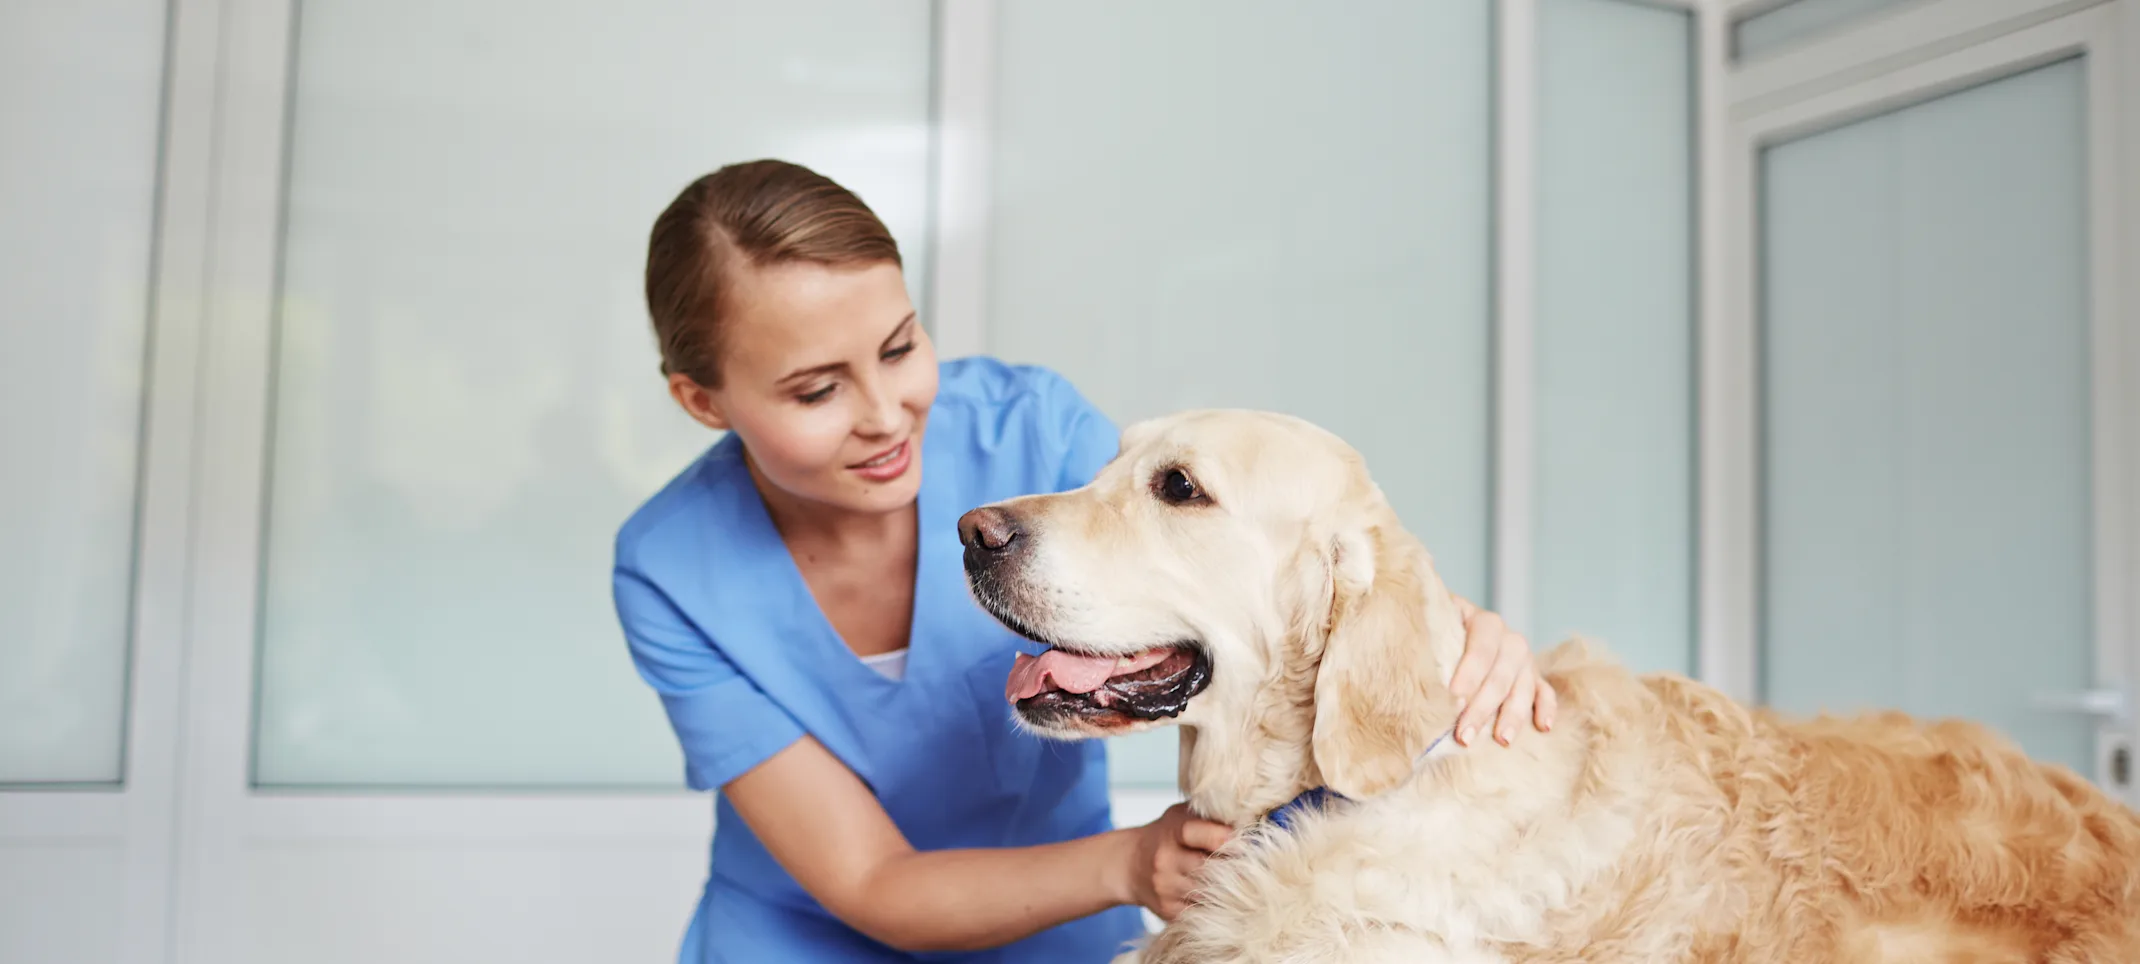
(725, 724)
(720, 624)
(1089, 439)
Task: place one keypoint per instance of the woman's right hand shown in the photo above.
(1169, 852)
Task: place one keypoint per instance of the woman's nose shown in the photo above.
(880, 411)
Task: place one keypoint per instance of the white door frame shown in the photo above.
(963, 141)
(1898, 60)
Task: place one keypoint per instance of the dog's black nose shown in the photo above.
(989, 529)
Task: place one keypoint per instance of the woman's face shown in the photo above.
(828, 378)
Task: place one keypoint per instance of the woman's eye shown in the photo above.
(1177, 487)
(812, 398)
(899, 352)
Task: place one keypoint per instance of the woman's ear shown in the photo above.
(1380, 696)
(698, 402)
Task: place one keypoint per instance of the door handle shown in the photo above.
(2111, 705)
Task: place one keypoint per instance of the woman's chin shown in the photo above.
(876, 497)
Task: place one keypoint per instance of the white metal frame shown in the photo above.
(2118, 275)
(965, 131)
(1722, 520)
(1515, 309)
(1793, 95)
(1881, 42)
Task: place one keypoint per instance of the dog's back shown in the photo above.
(1880, 838)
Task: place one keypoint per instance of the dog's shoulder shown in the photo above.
(1591, 680)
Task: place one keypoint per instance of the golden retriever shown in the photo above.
(1240, 574)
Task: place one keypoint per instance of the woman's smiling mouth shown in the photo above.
(886, 465)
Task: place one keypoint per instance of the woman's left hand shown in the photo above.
(1496, 682)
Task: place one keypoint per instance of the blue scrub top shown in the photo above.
(721, 624)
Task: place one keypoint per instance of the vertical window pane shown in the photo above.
(80, 98)
(1926, 456)
(1613, 549)
(1270, 205)
(466, 402)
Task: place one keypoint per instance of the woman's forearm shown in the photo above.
(825, 827)
(970, 899)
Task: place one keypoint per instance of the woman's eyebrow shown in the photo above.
(799, 373)
(830, 367)
(897, 330)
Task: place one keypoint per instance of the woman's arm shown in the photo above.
(828, 831)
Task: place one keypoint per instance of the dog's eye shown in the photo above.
(1175, 486)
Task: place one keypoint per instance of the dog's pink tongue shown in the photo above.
(1030, 675)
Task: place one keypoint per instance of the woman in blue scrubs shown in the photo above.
(795, 596)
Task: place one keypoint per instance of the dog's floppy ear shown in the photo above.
(1381, 698)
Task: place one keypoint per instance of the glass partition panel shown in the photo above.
(1926, 457)
(81, 88)
(1269, 205)
(466, 402)
(1612, 554)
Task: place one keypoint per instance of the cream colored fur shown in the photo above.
(1658, 821)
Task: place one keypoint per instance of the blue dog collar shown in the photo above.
(1321, 798)
(1316, 797)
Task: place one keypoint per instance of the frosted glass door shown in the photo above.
(80, 96)
(1271, 205)
(466, 400)
(1926, 455)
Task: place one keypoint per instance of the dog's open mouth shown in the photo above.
(1108, 690)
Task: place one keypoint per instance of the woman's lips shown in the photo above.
(886, 465)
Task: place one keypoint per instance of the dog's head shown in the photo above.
(1238, 573)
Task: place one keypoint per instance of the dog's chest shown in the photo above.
(1469, 874)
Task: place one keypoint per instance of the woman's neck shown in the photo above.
(828, 529)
